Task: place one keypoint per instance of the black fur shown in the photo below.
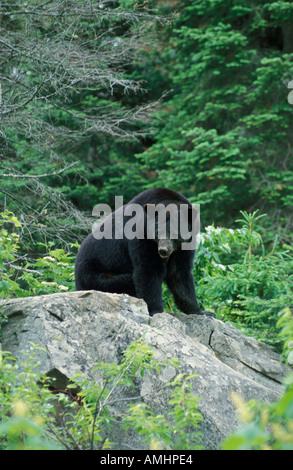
(138, 267)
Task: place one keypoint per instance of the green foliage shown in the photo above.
(25, 406)
(245, 283)
(162, 432)
(222, 136)
(9, 245)
(88, 425)
(54, 272)
(267, 426)
(241, 280)
(285, 322)
(81, 417)
(21, 276)
(69, 102)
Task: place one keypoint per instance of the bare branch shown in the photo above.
(62, 77)
(14, 175)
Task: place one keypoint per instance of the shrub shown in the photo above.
(268, 426)
(9, 246)
(81, 417)
(21, 276)
(25, 406)
(179, 430)
(242, 281)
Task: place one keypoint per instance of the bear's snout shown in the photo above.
(165, 248)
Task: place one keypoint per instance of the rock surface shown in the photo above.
(78, 329)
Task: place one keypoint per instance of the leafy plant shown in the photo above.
(9, 246)
(21, 276)
(25, 406)
(90, 424)
(53, 272)
(179, 429)
(285, 323)
(267, 426)
(245, 283)
(241, 280)
(222, 134)
(81, 417)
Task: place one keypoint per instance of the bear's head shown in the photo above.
(173, 226)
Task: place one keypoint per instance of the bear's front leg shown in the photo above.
(181, 283)
(148, 273)
(149, 288)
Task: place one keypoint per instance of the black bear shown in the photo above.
(136, 254)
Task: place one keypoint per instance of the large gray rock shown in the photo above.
(78, 329)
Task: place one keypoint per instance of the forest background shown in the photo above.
(104, 98)
(107, 98)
